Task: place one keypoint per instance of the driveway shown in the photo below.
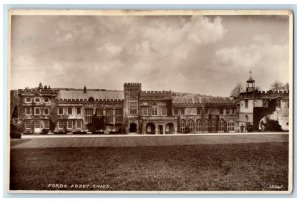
(132, 140)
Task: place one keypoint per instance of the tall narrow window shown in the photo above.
(60, 111)
(198, 126)
(78, 110)
(230, 126)
(182, 126)
(37, 111)
(28, 111)
(246, 104)
(60, 124)
(69, 110)
(109, 115)
(278, 103)
(70, 124)
(154, 110)
(191, 125)
(79, 124)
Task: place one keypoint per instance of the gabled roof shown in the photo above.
(197, 99)
(96, 94)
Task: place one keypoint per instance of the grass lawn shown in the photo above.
(237, 167)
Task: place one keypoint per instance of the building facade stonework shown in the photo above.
(67, 110)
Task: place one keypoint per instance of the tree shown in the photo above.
(277, 86)
(258, 88)
(98, 123)
(237, 90)
(286, 86)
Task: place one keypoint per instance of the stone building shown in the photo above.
(34, 108)
(64, 110)
(254, 106)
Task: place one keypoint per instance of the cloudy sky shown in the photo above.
(197, 54)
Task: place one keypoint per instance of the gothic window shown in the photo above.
(213, 125)
(88, 114)
(198, 126)
(221, 125)
(133, 106)
(109, 115)
(205, 125)
(119, 115)
(154, 110)
(230, 126)
(182, 126)
(191, 125)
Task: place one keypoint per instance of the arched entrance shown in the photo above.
(150, 128)
(170, 128)
(132, 128)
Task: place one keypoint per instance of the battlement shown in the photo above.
(273, 92)
(132, 84)
(93, 100)
(156, 93)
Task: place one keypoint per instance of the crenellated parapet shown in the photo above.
(156, 93)
(264, 94)
(91, 100)
(135, 86)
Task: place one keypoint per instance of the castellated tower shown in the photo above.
(131, 105)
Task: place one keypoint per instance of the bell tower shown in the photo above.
(250, 86)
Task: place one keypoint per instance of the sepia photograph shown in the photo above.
(163, 101)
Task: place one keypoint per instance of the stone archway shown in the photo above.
(150, 128)
(170, 128)
(133, 128)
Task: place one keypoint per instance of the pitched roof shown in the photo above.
(96, 94)
(197, 99)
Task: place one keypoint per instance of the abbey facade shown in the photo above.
(67, 110)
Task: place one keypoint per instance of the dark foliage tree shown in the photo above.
(237, 90)
(277, 86)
